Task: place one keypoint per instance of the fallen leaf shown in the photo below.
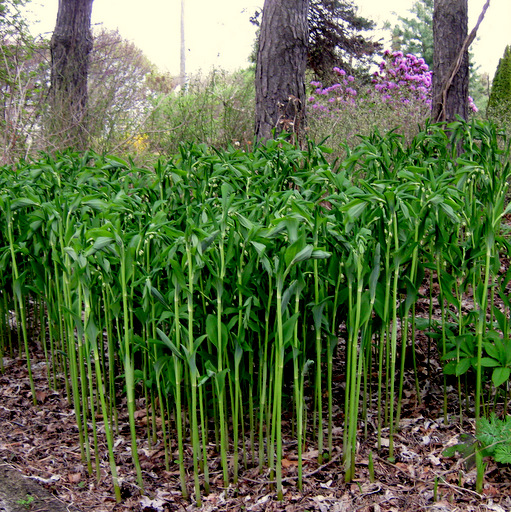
(286, 463)
(40, 396)
(74, 478)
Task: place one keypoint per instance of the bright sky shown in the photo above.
(218, 33)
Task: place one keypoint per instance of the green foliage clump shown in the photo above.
(217, 110)
(219, 286)
(500, 95)
(499, 104)
(495, 436)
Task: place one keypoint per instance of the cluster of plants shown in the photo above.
(217, 289)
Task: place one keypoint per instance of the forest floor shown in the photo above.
(41, 468)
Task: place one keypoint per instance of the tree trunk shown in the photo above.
(280, 70)
(450, 60)
(71, 45)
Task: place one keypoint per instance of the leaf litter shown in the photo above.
(42, 443)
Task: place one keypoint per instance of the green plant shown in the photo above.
(227, 292)
(26, 502)
(494, 434)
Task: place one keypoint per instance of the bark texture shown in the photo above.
(280, 70)
(450, 63)
(71, 45)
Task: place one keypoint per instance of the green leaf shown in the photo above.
(159, 297)
(318, 254)
(463, 366)
(96, 204)
(288, 328)
(100, 243)
(302, 255)
(500, 375)
(22, 202)
(168, 343)
(489, 362)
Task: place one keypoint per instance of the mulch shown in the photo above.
(40, 445)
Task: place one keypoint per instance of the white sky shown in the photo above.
(218, 32)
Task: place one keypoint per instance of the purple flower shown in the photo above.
(472, 105)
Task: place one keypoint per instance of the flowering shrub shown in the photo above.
(398, 96)
(403, 78)
(399, 80)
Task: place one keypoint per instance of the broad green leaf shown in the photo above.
(489, 362)
(500, 375)
(100, 243)
(168, 343)
(22, 202)
(302, 255)
(463, 366)
(288, 328)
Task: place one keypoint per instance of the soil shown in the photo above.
(40, 459)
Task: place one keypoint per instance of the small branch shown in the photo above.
(290, 478)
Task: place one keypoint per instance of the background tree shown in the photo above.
(119, 92)
(70, 46)
(450, 60)
(415, 34)
(336, 37)
(23, 83)
(280, 68)
(499, 104)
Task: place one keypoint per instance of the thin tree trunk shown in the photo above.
(71, 45)
(280, 71)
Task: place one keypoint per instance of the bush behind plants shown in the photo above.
(217, 109)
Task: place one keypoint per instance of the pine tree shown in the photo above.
(499, 104)
(336, 37)
(415, 34)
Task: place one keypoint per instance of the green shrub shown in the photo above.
(499, 104)
(494, 434)
(217, 110)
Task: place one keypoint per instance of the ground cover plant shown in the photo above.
(217, 288)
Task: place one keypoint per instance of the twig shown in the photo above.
(441, 480)
(290, 478)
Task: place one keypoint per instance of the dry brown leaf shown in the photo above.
(74, 478)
